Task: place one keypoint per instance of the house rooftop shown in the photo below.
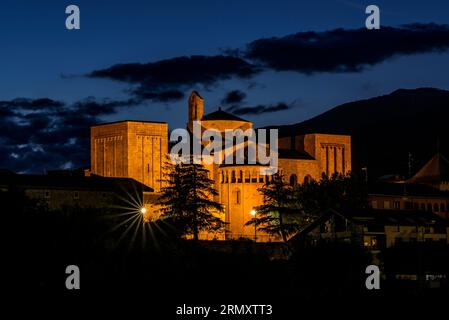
(57, 181)
(436, 170)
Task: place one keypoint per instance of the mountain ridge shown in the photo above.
(386, 128)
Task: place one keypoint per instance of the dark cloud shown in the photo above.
(259, 109)
(233, 97)
(343, 50)
(143, 93)
(180, 71)
(339, 50)
(93, 107)
(30, 104)
(165, 80)
(42, 134)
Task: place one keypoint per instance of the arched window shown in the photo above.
(222, 177)
(435, 207)
(254, 176)
(240, 177)
(247, 176)
(307, 179)
(442, 209)
(293, 180)
(233, 176)
(423, 206)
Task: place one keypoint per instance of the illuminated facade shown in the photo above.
(137, 149)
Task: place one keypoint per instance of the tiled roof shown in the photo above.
(222, 115)
(436, 170)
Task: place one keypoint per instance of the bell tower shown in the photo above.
(196, 108)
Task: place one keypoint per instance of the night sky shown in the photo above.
(272, 62)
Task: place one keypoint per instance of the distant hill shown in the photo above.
(386, 128)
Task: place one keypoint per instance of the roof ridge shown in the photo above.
(221, 114)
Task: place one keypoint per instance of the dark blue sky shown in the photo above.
(40, 58)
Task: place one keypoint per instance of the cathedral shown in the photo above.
(139, 150)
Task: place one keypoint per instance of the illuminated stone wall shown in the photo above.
(332, 152)
(139, 150)
(130, 149)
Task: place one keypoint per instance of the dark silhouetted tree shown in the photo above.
(278, 214)
(336, 192)
(187, 199)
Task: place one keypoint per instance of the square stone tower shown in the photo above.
(133, 149)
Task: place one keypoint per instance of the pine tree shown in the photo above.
(187, 199)
(336, 192)
(277, 215)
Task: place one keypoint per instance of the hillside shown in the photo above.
(385, 129)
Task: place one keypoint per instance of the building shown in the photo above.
(68, 191)
(376, 229)
(427, 190)
(138, 149)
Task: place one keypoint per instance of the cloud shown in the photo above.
(179, 71)
(142, 93)
(259, 109)
(30, 104)
(339, 50)
(342, 50)
(43, 133)
(233, 97)
(165, 80)
(93, 107)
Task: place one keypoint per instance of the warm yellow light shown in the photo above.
(253, 212)
(143, 210)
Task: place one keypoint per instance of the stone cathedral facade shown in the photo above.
(139, 149)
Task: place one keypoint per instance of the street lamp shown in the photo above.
(145, 217)
(253, 212)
